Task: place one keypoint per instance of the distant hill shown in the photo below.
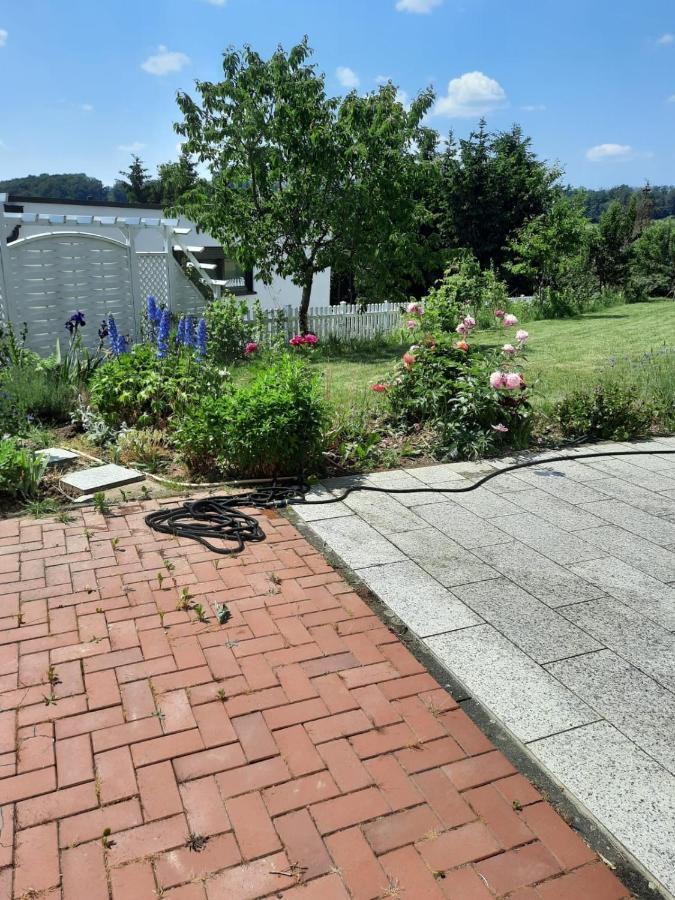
(662, 198)
(68, 186)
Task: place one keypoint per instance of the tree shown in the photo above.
(550, 251)
(176, 179)
(136, 184)
(491, 185)
(69, 186)
(301, 181)
(653, 264)
(610, 246)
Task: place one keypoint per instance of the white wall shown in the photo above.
(282, 292)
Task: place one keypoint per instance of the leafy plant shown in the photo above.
(21, 471)
(273, 425)
(146, 447)
(229, 330)
(31, 393)
(610, 411)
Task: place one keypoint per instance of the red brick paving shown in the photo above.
(302, 747)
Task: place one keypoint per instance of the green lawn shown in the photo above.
(562, 354)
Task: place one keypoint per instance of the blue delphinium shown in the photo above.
(201, 338)
(154, 313)
(163, 334)
(113, 336)
(180, 333)
(189, 337)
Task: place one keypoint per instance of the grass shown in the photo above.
(563, 355)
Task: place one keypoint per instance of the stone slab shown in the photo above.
(638, 497)
(383, 512)
(531, 625)
(646, 595)
(553, 480)
(57, 456)
(632, 701)
(460, 525)
(554, 511)
(527, 699)
(484, 503)
(554, 543)
(419, 600)
(537, 574)
(442, 558)
(625, 789)
(638, 640)
(636, 521)
(398, 479)
(100, 478)
(358, 543)
(650, 481)
(659, 562)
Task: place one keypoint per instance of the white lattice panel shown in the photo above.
(51, 276)
(152, 276)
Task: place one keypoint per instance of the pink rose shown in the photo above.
(509, 349)
(408, 360)
(296, 340)
(251, 347)
(512, 381)
(521, 336)
(509, 319)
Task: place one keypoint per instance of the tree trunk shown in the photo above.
(304, 303)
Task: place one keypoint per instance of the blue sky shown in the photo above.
(85, 82)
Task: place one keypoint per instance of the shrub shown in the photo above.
(139, 388)
(653, 262)
(609, 411)
(273, 425)
(33, 393)
(20, 471)
(142, 446)
(229, 330)
(464, 289)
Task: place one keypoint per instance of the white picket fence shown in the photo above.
(343, 322)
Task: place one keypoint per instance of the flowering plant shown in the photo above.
(304, 340)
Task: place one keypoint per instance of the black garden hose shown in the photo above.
(220, 517)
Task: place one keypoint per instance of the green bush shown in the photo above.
(230, 330)
(138, 388)
(610, 411)
(449, 390)
(274, 425)
(653, 262)
(20, 471)
(31, 393)
(465, 289)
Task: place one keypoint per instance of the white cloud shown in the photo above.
(134, 147)
(3, 37)
(610, 152)
(420, 7)
(86, 107)
(347, 77)
(165, 61)
(666, 38)
(382, 79)
(472, 94)
(671, 99)
(534, 107)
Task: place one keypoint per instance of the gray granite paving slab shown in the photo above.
(555, 543)
(383, 512)
(647, 596)
(356, 542)
(638, 497)
(638, 640)
(314, 513)
(576, 471)
(442, 558)
(485, 504)
(505, 484)
(636, 521)
(461, 525)
(555, 511)
(553, 480)
(619, 468)
(419, 600)
(632, 701)
(531, 625)
(659, 562)
(435, 474)
(398, 478)
(101, 478)
(653, 462)
(529, 701)
(631, 795)
(537, 574)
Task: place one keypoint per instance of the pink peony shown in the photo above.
(461, 328)
(501, 428)
(414, 309)
(509, 319)
(296, 340)
(512, 380)
(470, 322)
(462, 345)
(408, 360)
(251, 347)
(498, 380)
(509, 349)
(521, 336)
(412, 323)
(499, 313)
(311, 339)
(379, 388)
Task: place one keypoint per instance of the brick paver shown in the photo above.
(300, 751)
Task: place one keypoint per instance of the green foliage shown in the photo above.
(176, 179)
(273, 425)
(28, 393)
(20, 471)
(610, 411)
(464, 289)
(144, 447)
(136, 184)
(610, 245)
(228, 328)
(449, 390)
(137, 388)
(56, 187)
(653, 264)
(301, 181)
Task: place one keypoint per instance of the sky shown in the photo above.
(84, 83)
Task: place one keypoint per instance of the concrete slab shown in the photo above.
(554, 543)
(383, 512)
(460, 525)
(556, 512)
(526, 698)
(636, 521)
(637, 497)
(627, 791)
(358, 543)
(100, 478)
(659, 562)
(420, 601)
(442, 558)
(57, 456)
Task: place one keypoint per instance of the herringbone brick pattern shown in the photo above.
(300, 751)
